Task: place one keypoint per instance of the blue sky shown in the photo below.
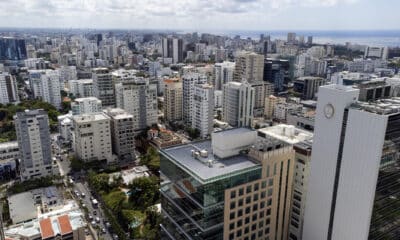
(203, 14)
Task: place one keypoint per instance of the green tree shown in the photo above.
(99, 182)
(144, 192)
(114, 200)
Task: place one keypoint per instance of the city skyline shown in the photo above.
(203, 15)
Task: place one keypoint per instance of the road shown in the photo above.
(82, 187)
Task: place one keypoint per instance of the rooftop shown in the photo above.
(89, 117)
(207, 167)
(389, 106)
(8, 145)
(287, 133)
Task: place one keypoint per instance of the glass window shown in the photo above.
(262, 205)
(246, 230)
(255, 207)
(263, 184)
(240, 223)
(240, 213)
(268, 212)
(247, 210)
(231, 226)
(233, 194)
(240, 202)
(248, 199)
(233, 205)
(254, 217)
(270, 192)
(246, 220)
(248, 189)
(232, 215)
(256, 186)
(255, 197)
(271, 182)
(239, 233)
(240, 191)
(263, 194)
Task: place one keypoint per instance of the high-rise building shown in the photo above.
(138, 96)
(308, 86)
(309, 40)
(276, 71)
(173, 48)
(261, 90)
(353, 184)
(228, 191)
(173, 97)
(249, 67)
(203, 109)
(45, 85)
(123, 141)
(376, 52)
(92, 137)
(81, 88)
(12, 49)
(291, 37)
(189, 80)
(238, 104)
(33, 135)
(86, 105)
(103, 86)
(223, 73)
(8, 88)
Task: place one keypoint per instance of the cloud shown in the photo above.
(149, 13)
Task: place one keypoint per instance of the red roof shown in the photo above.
(65, 225)
(46, 228)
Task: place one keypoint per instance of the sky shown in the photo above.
(201, 15)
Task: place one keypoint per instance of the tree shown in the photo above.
(99, 182)
(144, 192)
(114, 200)
(151, 159)
(193, 132)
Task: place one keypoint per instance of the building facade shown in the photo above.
(189, 80)
(33, 135)
(203, 109)
(238, 104)
(249, 67)
(173, 97)
(8, 88)
(92, 137)
(103, 86)
(86, 105)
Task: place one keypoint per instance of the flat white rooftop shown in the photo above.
(287, 133)
(210, 168)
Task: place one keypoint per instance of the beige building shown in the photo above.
(92, 137)
(173, 99)
(270, 103)
(249, 67)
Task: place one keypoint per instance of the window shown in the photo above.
(256, 186)
(255, 197)
(241, 192)
(246, 220)
(262, 205)
(240, 213)
(248, 189)
(271, 182)
(248, 200)
(268, 212)
(240, 202)
(231, 226)
(254, 217)
(232, 215)
(239, 233)
(264, 184)
(255, 207)
(233, 205)
(239, 223)
(247, 210)
(233, 194)
(270, 192)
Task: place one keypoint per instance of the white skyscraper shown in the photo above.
(189, 80)
(223, 73)
(203, 109)
(353, 184)
(8, 88)
(173, 99)
(238, 104)
(138, 97)
(45, 85)
(86, 105)
(81, 88)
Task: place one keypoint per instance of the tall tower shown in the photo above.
(353, 189)
(238, 104)
(33, 135)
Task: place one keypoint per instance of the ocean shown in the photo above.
(390, 38)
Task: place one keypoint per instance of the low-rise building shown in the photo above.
(163, 138)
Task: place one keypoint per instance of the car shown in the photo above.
(83, 205)
(87, 232)
(83, 194)
(93, 223)
(103, 230)
(90, 217)
(108, 225)
(115, 237)
(97, 219)
(94, 212)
